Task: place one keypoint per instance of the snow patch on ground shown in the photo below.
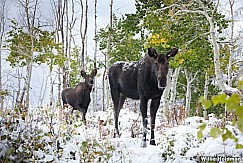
(61, 142)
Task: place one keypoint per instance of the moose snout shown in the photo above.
(161, 82)
(91, 81)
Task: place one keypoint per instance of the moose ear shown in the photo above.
(94, 72)
(172, 53)
(152, 52)
(83, 73)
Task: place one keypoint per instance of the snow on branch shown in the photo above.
(230, 90)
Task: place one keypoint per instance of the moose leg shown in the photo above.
(153, 110)
(83, 117)
(122, 99)
(115, 95)
(143, 109)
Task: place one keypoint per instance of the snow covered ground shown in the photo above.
(45, 135)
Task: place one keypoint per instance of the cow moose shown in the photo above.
(144, 80)
(79, 97)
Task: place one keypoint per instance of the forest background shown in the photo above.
(45, 44)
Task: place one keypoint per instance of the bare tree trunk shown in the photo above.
(95, 55)
(44, 86)
(64, 69)
(189, 79)
(66, 47)
(103, 88)
(109, 54)
(165, 96)
(3, 19)
(64, 26)
(205, 93)
(83, 30)
(231, 3)
(59, 39)
(29, 75)
(59, 87)
(173, 88)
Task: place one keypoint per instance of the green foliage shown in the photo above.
(199, 133)
(188, 32)
(206, 103)
(20, 136)
(215, 132)
(93, 151)
(75, 72)
(124, 45)
(221, 98)
(37, 46)
(232, 104)
(39, 135)
(171, 147)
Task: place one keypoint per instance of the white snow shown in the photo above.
(77, 142)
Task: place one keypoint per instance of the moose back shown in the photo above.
(79, 97)
(144, 80)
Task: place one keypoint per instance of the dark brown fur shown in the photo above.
(79, 97)
(144, 80)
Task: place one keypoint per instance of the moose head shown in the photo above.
(161, 65)
(89, 79)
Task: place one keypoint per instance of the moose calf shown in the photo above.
(79, 97)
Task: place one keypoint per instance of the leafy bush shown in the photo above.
(39, 135)
(174, 145)
(233, 105)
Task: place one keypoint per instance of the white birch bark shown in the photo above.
(189, 79)
(231, 3)
(83, 30)
(205, 93)
(3, 18)
(109, 54)
(173, 88)
(165, 96)
(94, 93)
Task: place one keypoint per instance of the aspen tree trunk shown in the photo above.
(52, 89)
(94, 93)
(29, 75)
(83, 30)
(64, 43)
(66, 49)
(205, 93)
(70, 22)
(188, 92)
(231, 3)
(173, 88)
(60, 38)
(189, 79)
(165, 96)
(219, 78)
(59, 35)
(104, 87)
(109, 54)
(58, 12)
(3, 16)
